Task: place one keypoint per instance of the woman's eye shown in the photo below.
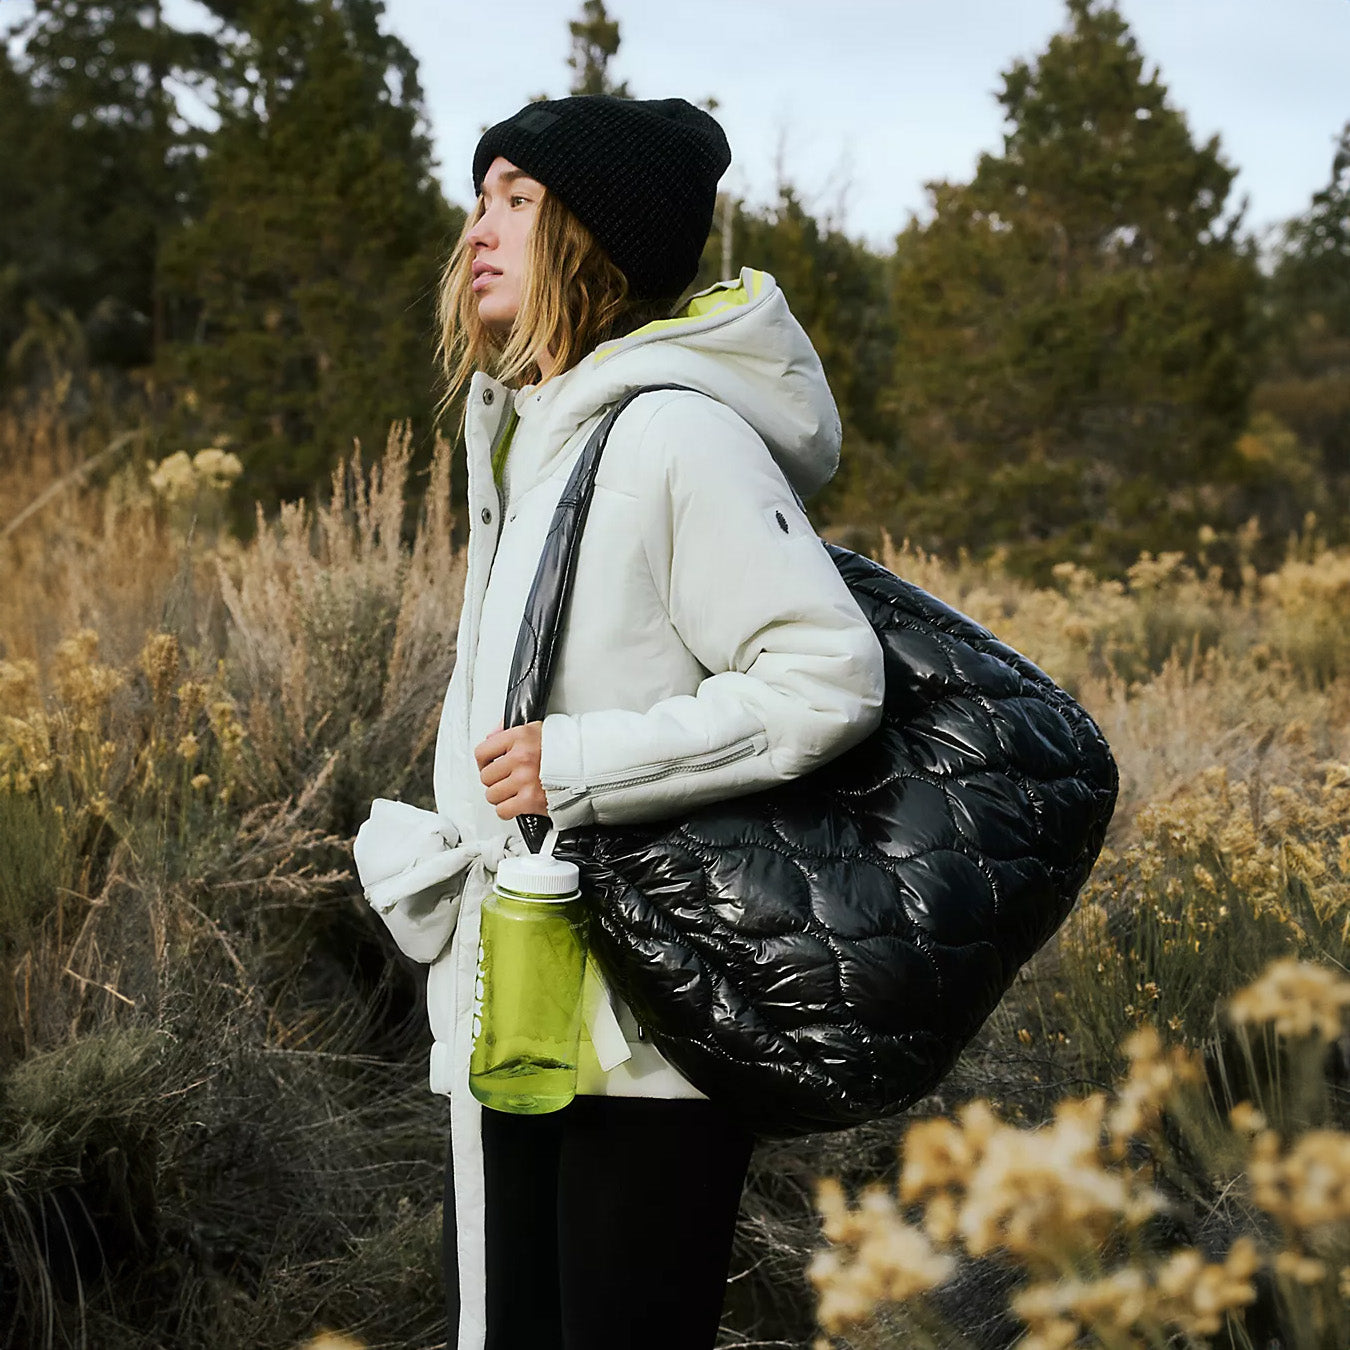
(513, 200)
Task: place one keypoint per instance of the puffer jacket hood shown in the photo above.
(738, 342)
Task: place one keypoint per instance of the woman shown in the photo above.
(710, 649)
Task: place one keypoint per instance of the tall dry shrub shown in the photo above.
(212, 1115)
(85, 545)
(342, 637)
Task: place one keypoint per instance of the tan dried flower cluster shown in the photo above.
(1311, 589)
(1212, 844)
(1300, 998)
(99, 764)
(24, 744)
(1184, 1293)
(1042, 1194)
(1050, 1197)
(1306, 1188)
(1246, 1120)
(181, 477)
(225, 723)
(160, 660)
(82, 683)
(1154, 1077)
(1299, 1268)
(18, 688)
(25, 752)
(33, 741)
(1053, 1198)
(889, 1259)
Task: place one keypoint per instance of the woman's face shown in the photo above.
(498, 241)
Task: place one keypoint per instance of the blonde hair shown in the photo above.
(574, 298)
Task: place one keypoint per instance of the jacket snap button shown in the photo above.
(487, 397)
(487, 516)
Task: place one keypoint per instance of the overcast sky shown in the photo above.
(870, 99)
(863, 101)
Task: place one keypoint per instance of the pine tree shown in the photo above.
(312, 271)
(1075, 324)
(595, 43)
(1307, 380)
(24, 255)
(1314, 268)
(98, 166)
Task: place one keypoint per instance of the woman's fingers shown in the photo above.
(514, 797)
(512, 759)
(508, 763)
(498, 769)
(492, 745)
(531, 802)
(503, 790)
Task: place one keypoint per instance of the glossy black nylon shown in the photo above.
(818, 954)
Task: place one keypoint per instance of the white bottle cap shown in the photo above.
(539, 876)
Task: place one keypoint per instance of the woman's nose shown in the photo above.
(483, 232)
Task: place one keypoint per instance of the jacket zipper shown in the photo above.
(712, 759)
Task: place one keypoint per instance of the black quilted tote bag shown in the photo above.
(818, 954)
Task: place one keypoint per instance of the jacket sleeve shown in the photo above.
(412, 869)
(795, 670)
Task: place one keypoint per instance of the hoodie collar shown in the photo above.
(738, 342)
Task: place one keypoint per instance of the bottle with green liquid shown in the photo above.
(531, 962)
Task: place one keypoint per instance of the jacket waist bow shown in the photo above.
(414, 869)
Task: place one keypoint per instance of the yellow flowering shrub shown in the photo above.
(1307, 600)
(1165, 606)
(1069, 1204)
(193, 487)
(1209, 885)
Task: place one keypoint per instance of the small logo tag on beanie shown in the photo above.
(537, 119)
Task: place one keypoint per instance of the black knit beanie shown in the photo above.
(640, 174)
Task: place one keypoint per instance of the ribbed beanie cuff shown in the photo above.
(640, 174)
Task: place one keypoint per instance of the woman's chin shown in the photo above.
(494, 316)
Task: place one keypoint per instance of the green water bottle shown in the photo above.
(527, 1006)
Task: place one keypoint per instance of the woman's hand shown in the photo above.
(508, 763)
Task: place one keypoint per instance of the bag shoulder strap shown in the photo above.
(531, 675)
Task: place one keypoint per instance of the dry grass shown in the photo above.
(99, 553)
(213, 1115)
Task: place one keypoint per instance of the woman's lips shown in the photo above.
(483, 278)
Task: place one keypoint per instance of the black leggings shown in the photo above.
(609, 1225)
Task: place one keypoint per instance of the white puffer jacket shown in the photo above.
(710, 648)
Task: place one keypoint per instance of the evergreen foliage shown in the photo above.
(1307, 383)
(1075, 331)
(595, 42)
(98, 166)
(311, 272)
(1059, 364)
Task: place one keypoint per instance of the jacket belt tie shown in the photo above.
(413, 868)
